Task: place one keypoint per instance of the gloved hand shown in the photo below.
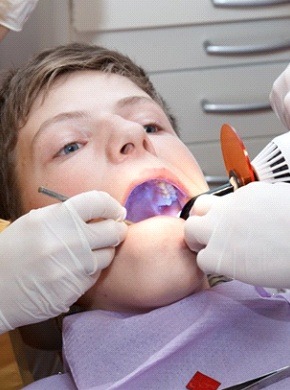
(244, 235)
(51, 256)
(14, 13)
(280, 97)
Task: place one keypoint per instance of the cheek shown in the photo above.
(174, 151)
(70, 177)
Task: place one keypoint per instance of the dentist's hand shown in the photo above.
(280, 97)
(51, 256)
(244, 235)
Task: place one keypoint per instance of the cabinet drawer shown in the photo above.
(106, 15)
(209, 156)
(184, 47)
(185, 91)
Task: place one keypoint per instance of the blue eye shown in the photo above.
(151, 128)
(70, 148)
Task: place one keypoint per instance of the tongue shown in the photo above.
(150, 199)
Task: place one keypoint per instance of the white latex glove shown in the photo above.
(280, 97)
(14, 13)
(244, 235)
(51, 256)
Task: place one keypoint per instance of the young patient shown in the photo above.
(81, 118)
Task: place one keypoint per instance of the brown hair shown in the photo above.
(22, 86)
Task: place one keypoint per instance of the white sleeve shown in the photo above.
(14, 13)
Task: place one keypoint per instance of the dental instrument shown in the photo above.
(271, 164)
(52, 194)
(63, 198)
(200, 380)
(263, 381)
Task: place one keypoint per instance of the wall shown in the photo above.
(47, 26)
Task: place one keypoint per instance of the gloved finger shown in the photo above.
(196, 234)
(105, 233)
(208, 262)
(96, 204)
(203, 204)
(102, 258)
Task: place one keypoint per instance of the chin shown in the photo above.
(152, 268)
(164, 269)
(175, 294)
(180, 282)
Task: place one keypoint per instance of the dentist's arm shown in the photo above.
(244, 235)
(3, 32)
(280, 97)
(51, 256)
(14, 13)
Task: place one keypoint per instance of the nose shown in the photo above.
(127, 139)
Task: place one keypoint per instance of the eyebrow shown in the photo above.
(133, 100)
(61, 117)
(73, 115)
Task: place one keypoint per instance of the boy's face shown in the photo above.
(97, 131)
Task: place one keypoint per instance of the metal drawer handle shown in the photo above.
(245, 49)
(247, 3)
(215, 108)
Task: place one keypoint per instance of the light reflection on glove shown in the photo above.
(244, 235)
(280, 97)
(51, 256)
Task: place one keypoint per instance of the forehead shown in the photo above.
(85, 87)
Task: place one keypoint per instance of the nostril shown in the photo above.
(127, 148)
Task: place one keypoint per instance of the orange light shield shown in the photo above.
(236, 158)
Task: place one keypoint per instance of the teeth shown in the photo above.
(167, 191)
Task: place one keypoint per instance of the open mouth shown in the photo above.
(152, 198)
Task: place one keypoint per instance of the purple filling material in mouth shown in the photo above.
(152, 198)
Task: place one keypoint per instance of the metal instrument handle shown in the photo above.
(247, 3)
(216, 180)
(262, 381)
(227, 108)
(227, 188)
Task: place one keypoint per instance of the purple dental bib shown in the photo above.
(230, 333)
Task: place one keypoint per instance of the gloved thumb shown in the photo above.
(198, 227)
